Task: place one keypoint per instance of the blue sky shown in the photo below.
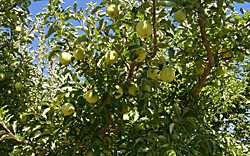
(37, 6)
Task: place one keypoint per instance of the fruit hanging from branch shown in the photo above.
(18, 86)
(118, 92)
(18, 28)
(79, 54)
(141, 56)
(112, 11)
(153, 74)
(111, 57)
(2, 76)
(144, 29)
(167, 74)
(65, 58)
(199, 70)
(132, 89)
(90, 97)
(68, 109)
(180, 15)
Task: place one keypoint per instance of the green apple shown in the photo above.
(65, 58)
(112, 11)
(2, 76)
(180, 15)
(221, 70)
(90, 97)
(79, 54)
(141, 56)
(123, 146)
(18, 28)
(118, 92)
(167, 74)
(18, 85)
(227, 55)
(132, 89)
(125, 109)
(68, 109)
(199, 70)
(111, 57)
(90, 153)
(153, 74)
(144, 29)
(146, 87)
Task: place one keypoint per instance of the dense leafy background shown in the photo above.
(163, 118)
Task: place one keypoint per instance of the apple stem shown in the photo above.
(202, 79)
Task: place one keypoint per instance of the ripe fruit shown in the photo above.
(79, 54)
(90, 97)
(90, 153)
(68, 109)
(111, 57)
(132, 89)
(147, 87)
(161, 59)
(2, 76)
(65, 58)
(141, 56)
(125, 109)
(118, 92)
(153, 74)
(144, 29)
(199, 70)
(221, 70)
(180, 15)
(227, 55)
(18, 28)
(18, 85)
(167, 74)
(112, 10)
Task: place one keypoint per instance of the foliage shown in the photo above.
(20, 79)
(190, 92)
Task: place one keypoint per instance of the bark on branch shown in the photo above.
(154, 29)
(202, 79)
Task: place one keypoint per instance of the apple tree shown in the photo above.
(18, 76)
(130, 77)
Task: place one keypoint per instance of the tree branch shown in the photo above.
(155, 48)
(202, 79)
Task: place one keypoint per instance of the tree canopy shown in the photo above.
(125, 77)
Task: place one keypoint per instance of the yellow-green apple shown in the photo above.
(90, 97)
(111, 57)
(118, 92)
(65, 58)
(167, 74)
(112, 10)
(144, 29)
(132, 89)
(141, 56)
(68, 109)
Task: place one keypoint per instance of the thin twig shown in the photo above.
(10, 133)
